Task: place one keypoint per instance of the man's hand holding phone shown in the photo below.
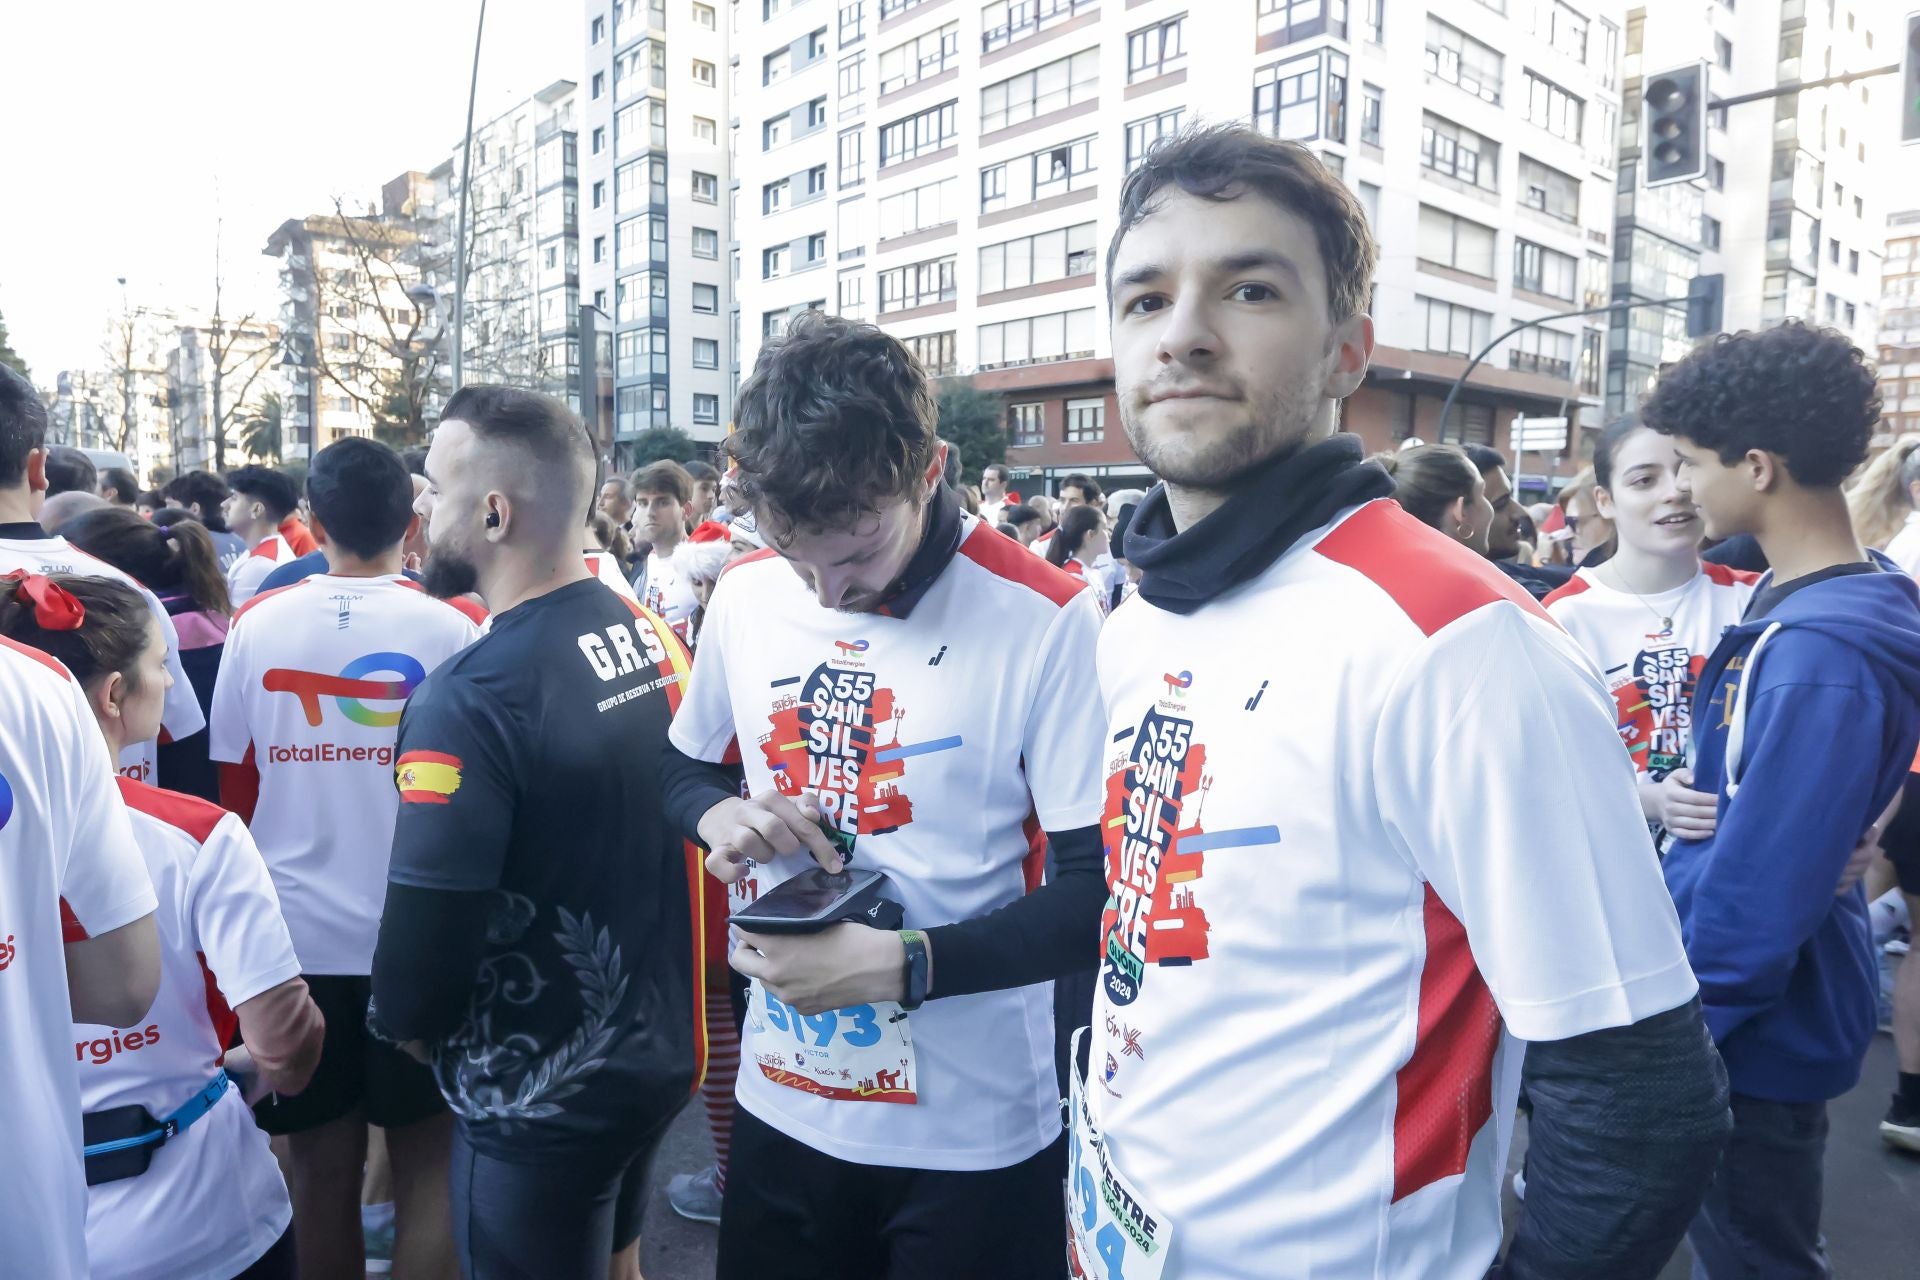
(740, 832)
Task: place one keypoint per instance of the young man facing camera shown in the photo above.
(1329, 926)
(915, 1130)
(541, 919)
(1767, 426)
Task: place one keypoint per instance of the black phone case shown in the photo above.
(112, 1125)
(868, 906)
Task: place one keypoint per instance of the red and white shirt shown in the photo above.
(311, 686)
(668, 593)
(1649, 667)
(66, 851)
(213, 1200)
(180, 715)
(605, 566)
(932, 742)
(251, 569)
(1330, 919)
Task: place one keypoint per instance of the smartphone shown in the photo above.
(810, 901)
(839, 839)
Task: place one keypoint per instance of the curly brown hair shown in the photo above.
(836, 422)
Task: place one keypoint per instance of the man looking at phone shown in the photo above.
(844, 666)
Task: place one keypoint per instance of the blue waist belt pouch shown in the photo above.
(120, 1141)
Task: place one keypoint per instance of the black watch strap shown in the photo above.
(918, 968)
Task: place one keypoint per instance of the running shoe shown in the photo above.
(1901, 1128)
(696, 1196)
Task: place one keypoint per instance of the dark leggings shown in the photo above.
(546, 1221)
(277, 1263)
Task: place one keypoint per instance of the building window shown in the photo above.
(922, 284)
(706, 188)
(704, 130)
(1142, 134)
(706, 353)
(706, 409)
(853, 79)
(1853, 262)
(853, 163)
(1051, 172)
(773, 262)
(639, 240)
(1086, 421)
(640, 352)
(1722, 52)
(1037, 259)
(1063, 335)
(703, 73)
(1709, 231)
(597, 31)
(1060, 83)
(1542, 351)
(1850, 315)
(1553, 108)
(1026, 425)
(1005, 21)
(1448, 241)
(919, 134)
(1542, 270)
(706, 299)
(706, 243)
(1157, 50)
(1370, 107)
(934, 351)
(599, 248)
(1470, 423)
(1716, 173)
(776, 132)
(932, 205)
(599, 194)
(816, 115)
(599, 88)
(1459, 59)
(1458, 152)
(917, 59)
(703, 16)
(1301, 19)
(853, 294)
(1552, 192)
(853, 22)
(1454, 330)
(1287, 98)
(773, 197)
(599, 140)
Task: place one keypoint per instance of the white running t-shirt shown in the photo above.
(66, 851)
(1334, 909)
(180, 715)
(212, 1200)
(931, 740)
(669, 595)
(310, 691)
(1650, 669)
(251, 569)
(605, 566)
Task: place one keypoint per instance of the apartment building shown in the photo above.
(217, 375)
(950, 169)
(1899, 344)
(654, 181)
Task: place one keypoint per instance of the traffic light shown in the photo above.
(1910, 83)
(1676, 112)
(1704, 297)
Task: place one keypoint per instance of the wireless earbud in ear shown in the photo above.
(493, 519)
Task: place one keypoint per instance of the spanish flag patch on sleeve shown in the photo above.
(427, 777)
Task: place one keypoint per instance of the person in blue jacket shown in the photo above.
(1805, 720)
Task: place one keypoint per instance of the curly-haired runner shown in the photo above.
(1804, 723)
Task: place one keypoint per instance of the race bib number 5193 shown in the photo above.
(863, 1053)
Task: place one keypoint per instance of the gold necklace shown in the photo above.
(1666, 621)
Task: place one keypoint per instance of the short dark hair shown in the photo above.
(1089, 487)
(126, 490)
(665, 476)
(1226, 161)
(70, 471)
(361, 494)
(542, 428)
(205, 489)
(836, 421)
(703, 472)
(1485, 457)
(416, 460)
(1802, 393)
(996, 469)
(23, 425)
(271, 489)
(1020, 513)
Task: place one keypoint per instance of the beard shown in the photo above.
(1277, 419)
(447, 574)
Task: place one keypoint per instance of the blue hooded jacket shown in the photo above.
(1804, 724)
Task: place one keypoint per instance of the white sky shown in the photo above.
(120, 120)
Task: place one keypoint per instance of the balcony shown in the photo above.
(1532, 362)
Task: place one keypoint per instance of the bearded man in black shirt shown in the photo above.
(540, 924)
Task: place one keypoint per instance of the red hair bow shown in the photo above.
(54, 607)
(710, 531)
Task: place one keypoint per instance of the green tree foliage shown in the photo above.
(260, 434)
(656, 443)
(974, 420)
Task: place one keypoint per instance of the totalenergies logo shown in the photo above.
(1177, 683)
(848, 648)
(352, 688)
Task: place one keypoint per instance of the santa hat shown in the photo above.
(704, 552)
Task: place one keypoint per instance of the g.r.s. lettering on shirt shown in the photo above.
(617, 655)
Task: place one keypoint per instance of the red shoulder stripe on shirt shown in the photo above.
(1565, 591)
(186, 813)
(45, 659)
(71, 930)
(474, 613)
(764, 553)
(1725, 575)
(1004, 558)
(254, 603)
(1433, 579)
(264, 551)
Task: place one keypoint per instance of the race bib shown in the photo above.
(863, 1053)
(1113, 1234)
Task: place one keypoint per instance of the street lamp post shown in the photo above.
(466, 185)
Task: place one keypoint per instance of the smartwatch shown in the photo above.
(918, 967)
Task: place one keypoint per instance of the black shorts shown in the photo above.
(1901, 839)
(356, 1070)
(800, 1214)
